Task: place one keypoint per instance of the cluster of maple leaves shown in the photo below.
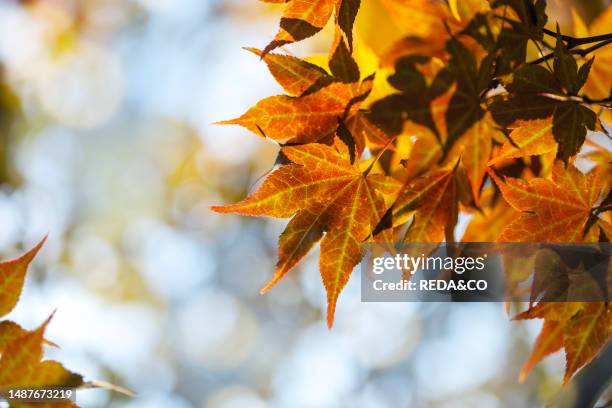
(21, 351)
(467, 119)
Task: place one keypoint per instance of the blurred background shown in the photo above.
(106, 144)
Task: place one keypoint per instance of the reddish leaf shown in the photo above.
(305, 119)
(331, 195)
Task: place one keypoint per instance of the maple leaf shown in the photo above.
(487, 224)
(301, 19)
(12, 276)
(425, 25)
(552, 211)
(304, 18)
(21, 365)
(309, 118)
(328, 195)
(471, 80)
(341, 62)
(430, 201)
(10, 331)
(413, 101)
(475, 148)
(536, 93)
(528, 138)
(295, 75)
(581, 328)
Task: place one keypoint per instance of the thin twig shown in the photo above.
(579, 52)
(575, 41)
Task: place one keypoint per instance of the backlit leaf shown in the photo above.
(553, 211)
(329, 194)
(21, 365)
(529, 138)
(296, 76)
(301, 19)
(12, 275)
(308, 118)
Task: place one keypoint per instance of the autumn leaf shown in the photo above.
(296, 76)
(581, 328)
(341, 62)
(304, 18)
(330, 195)
(21, 365)
(487, 224)
(413, 101)
(12, 276)
(346, 13)
(10, 331)
(528, 138)
(550, 340)
(430, 201)
(305, 119)
(553, 211)
(536, 93)
(586, 334)
(301, 19)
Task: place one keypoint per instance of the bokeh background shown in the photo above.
(107, 146)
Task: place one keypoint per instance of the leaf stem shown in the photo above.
(580, 99)
(379, 155)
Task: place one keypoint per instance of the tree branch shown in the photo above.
(579, 52)
(574, 41)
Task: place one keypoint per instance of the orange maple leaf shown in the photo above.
(327, 194)
(552, 211)
(581, 328)
(529, 138)
(21, 365)
(304, 18)
(309, 118)
(12, 276)
(430, 202)
(295, 75)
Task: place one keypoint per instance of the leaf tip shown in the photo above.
(331, 310)
(221, 209)
(254, 50)
(227, 122)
